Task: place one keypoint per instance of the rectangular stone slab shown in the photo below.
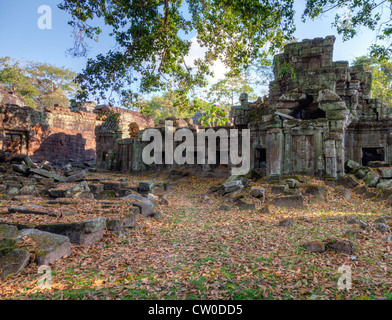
(24, 210)
(48, 174)
(85, 232)
(50, 246)
(13, 262)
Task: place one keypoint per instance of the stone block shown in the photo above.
(85, 232)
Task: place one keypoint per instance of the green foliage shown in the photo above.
(13, 77)
(286, 71)
(168, 105)
(40, 84)
(153, 40)
(109, 116)
(372, 14)
(226, 92)
(382, 77)
(213, 116)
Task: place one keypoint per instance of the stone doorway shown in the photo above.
(303, 154)
(260, 158)
(15, 142)
(372, 154)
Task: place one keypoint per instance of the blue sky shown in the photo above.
(21, 38)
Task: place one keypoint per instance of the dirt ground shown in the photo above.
(197, 251)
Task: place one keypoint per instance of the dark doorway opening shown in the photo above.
(308, 109)
(104, 157)
(14, 142)
(260, 158)
(372, 154)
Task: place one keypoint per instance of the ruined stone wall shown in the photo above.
(125, 155)
(305, 68)
(303, 64)
(56, 134)
(66, 135)
(9, 97)
(369, 134)
(106, 143)
(127, 117)
(319, 114)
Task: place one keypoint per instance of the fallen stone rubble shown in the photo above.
(296, 192)
(25, 182)
(31, 189)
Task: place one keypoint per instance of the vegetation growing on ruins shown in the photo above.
(109, 116)
(286, 71)
(111, 119)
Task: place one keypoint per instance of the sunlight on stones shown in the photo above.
(76, 195)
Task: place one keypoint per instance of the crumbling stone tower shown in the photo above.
(319, 114)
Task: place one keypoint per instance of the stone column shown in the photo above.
(287, 161)
(339, 144)
(357, 150)
(275, 151)
(318, 154)
(330, 159)
(137, 147)
(98, 151)
(349, 145)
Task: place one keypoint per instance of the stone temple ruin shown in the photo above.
(319, 120)
(56, 134)
(319, 113)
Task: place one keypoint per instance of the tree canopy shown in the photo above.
(375, 15)
(226, 92)
(153, 39)
(40, 84)
(163, 106)
(382, 77)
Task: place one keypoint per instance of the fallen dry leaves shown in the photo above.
(197, 251)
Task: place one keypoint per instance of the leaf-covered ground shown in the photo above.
(196, 251)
